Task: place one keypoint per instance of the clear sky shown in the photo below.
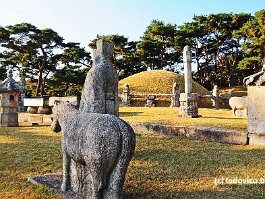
(81, 20)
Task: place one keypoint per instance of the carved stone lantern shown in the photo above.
(9, 93)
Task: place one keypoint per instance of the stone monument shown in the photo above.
(9, 93)
(188, 100)
(256, 110)
(100, 92)
(126, 95)
(97, 145)
(101, 144)
(175, 95)
(216, 97)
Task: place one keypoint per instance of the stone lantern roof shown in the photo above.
(10, 85)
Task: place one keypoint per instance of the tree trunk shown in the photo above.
(38, 89)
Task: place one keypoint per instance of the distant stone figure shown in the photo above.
(100, 92)
(238, 103)
(103, 144)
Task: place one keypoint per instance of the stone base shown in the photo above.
(256, 139)
(8, 119)
(53, 182)
(193, 132)
(188, 105)
(217, 135)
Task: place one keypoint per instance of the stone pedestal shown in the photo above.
(9, 119)
(188, 105)
(256, 115)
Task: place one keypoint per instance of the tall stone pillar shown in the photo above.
(188, 100)
(187, 58)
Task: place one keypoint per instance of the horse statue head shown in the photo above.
(60, 111)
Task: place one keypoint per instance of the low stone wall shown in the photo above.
(193, 132)
(35, 119)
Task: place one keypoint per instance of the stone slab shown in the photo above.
(33, 101)
(35, 119)
(218, 135)
(53, 181)
(167, 130)
(256, 139)
(256, 109)
(194, 132)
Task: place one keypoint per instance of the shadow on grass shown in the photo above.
(129, 114)
(180, 168)
(227, 192)
(216, 117)
(161, 167)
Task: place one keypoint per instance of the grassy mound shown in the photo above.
(158, 82)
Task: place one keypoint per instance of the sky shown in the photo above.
(82, 20)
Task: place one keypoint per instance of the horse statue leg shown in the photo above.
(117, 176)
(66, 171)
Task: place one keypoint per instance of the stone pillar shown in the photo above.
(216, 97)
(188, 100)
(175, 97)
(126, 95)
(187, 58)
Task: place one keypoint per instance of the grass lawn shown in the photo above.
(162, 167)
(210, 117)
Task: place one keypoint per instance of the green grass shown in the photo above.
(162, 167)
(221, 118)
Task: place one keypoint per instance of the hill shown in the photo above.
(158, 82)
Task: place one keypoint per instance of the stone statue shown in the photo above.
(257, 79)
(238, 103)
(100, 92)
(102, 143)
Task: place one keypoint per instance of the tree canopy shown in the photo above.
(37, 53)
(226, 47)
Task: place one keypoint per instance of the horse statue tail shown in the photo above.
(117, 177)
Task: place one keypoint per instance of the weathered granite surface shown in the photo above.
(9, 84)
(100, 92)
(188, 101)
(101, 144)
(9, 93)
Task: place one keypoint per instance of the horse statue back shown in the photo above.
(103, 144)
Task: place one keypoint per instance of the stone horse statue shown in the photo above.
(102, 143)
